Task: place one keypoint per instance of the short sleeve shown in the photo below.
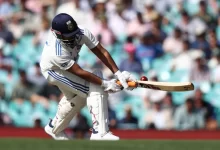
(90, 39)
(63, 62)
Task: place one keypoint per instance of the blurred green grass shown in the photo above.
(47, 144)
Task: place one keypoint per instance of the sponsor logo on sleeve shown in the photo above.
(64, 64)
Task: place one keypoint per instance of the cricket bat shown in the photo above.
(163, 86)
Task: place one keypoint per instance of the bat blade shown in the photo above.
(166, 86)
(163, 86)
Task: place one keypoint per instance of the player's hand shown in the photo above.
(129, 77)
(111, 86)
(122, 78)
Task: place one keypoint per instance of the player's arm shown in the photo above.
(65, 62)
(77, 70)
(107, 85)
(105, 57)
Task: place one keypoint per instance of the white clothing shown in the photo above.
(183, 61)
(56, 56)
(118, 25)
(216, 72)
(70, 8)
(56, 59)
(173, 45)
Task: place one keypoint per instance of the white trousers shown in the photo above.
(68, 83)
(76, 92)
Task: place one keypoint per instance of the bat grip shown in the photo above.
(130, 83)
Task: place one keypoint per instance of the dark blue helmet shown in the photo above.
(65, 28)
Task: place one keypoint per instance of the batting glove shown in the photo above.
(111, 86)
(121, 77)
(129, 77)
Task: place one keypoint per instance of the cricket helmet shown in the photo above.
(65, 29)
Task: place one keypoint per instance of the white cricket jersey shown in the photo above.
(56, 56)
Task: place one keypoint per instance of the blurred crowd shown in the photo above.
(166, 40)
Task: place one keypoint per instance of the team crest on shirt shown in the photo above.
(78, 38)
(78, 47)
(69, 25)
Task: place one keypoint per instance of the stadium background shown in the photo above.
(166, 40)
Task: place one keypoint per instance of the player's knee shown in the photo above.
(74, 102)
(80, 101)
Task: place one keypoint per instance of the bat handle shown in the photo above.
(130, 83)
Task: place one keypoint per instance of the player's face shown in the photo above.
(69, 41)
(73, 40)
(68, 38)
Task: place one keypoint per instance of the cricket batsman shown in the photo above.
(79, 87)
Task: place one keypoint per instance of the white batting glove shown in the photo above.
(122, 79)
(129, 77)
(111, 86)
